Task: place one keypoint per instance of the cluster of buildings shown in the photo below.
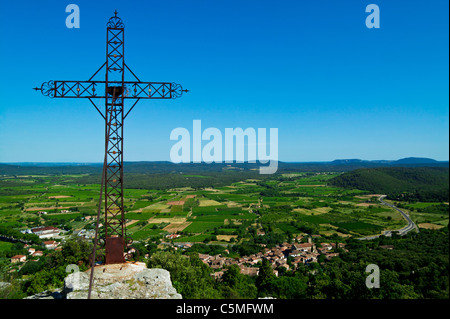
(172, 236)
(44, 231)
(86, 233)
(298, 253)
(32, 252)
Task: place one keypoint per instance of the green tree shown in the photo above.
(38, 283)
(235, 285)
(190, 276)
(76, 252)
(289, 287)
(265, 278)
(231, 277)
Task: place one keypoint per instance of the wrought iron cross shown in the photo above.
(114, 90)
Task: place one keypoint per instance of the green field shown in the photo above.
(289, 203)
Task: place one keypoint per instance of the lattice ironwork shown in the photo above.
(97, 89)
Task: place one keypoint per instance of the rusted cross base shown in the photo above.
(114, 250)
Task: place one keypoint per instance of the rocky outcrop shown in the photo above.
(121, 281)
(116, 281)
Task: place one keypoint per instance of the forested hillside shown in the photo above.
(408, 183)
(162, 167)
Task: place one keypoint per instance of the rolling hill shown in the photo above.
(412, 183)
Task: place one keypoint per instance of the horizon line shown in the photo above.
(234, 162)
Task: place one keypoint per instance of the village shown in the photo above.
(287, 255)
(302, 250)
(43, 232)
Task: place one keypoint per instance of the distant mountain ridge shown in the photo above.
(407, 160)
(416, 160)
(161, 167)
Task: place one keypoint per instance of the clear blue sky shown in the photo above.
(312, 69)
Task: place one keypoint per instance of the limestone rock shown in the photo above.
(121, 281)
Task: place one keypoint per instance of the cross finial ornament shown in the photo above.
(115, 13)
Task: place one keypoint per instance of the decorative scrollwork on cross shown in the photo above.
(48, 88)
(128, 240)
(177, 90)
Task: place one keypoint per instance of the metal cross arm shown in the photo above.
(98, 89)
